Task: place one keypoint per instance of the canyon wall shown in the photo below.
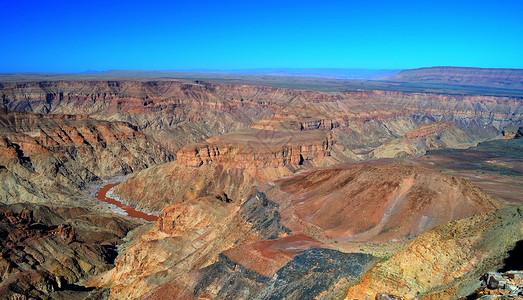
(259, 148)
(52, 157)
(45, 250)
(432, 136)
(177, 113)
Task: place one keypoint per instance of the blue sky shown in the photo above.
(74, 36)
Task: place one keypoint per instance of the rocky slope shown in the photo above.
(429, 137)
(49, 157)
(498, 78)
(384, 202)
(228, 241)
(280, 238)
(446, 262)
(156, 187)
(46, 251)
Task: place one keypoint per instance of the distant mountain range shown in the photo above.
(497, 78)
(332, 73)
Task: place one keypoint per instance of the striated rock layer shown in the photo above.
(383, 202)
(45, 157)
(233, 163)
(173, 112)
(430, 137)
(447, 261)
(46, 250)
(253, 148)
(178, 113)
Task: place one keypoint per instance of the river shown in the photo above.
(131, 211)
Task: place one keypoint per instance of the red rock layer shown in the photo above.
(377, 203)
(45, 155)
(258, 149)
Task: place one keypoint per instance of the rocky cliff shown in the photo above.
(254, 148)
(234, 163)
(45, 157)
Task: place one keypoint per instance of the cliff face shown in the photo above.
(162, 109)
(499, 78)
(234, 163)
(253, 148)
(446, 261)
(44, 157)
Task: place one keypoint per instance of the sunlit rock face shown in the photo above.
(46, 155)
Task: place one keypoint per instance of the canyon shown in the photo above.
(255, 191)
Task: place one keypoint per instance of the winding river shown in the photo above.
(131, 211)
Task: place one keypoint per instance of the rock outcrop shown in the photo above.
(429, 137)
(47, 250)
(498, 286)
(512, 132)
(253, 148)
(208, 225)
